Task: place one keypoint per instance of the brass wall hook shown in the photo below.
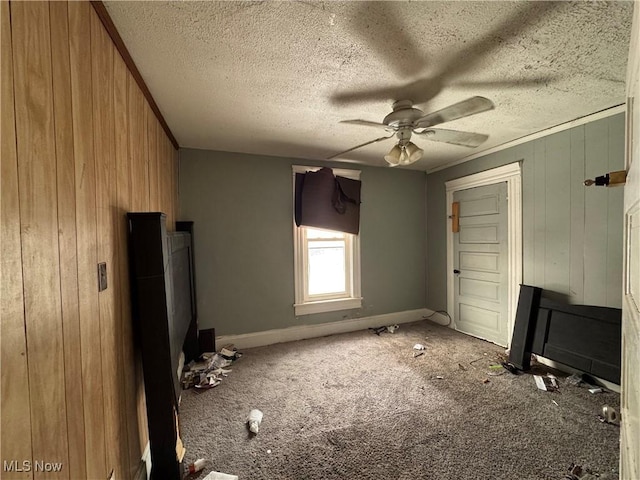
(611, 179)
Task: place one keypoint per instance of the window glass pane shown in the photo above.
(319, 233)
(326, 267)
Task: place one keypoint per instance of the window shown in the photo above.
(327, 265)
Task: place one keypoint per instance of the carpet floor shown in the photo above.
(361, 406)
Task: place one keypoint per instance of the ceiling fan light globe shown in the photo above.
(404, 157)
(414, 153)
(394, 155)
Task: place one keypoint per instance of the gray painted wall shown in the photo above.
(242, 206)
(572, 235)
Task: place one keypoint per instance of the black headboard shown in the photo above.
(180, 298)
(164, 315)
(587, 338)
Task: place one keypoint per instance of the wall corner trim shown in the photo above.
(302, 332)
(111, 29)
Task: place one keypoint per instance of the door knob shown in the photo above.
(456, 271)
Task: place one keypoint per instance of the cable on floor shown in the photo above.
(443, 312)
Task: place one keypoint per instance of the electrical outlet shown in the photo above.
(102, 276)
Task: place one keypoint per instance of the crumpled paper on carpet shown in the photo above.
(220, 476)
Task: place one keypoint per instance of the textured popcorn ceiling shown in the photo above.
(275, 78)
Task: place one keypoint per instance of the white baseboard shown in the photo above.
(270, 337)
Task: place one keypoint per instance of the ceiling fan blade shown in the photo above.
(418, 91)
(360, 146)
(513, 25)
(455, 137)
(366, 123)
(426, 88)
(353, 96)
(513, 83)
(377, 23)
(467, 107)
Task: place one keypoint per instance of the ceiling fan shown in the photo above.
(387, 38)
(405, 120)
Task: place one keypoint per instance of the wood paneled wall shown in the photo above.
(572, 234)
(80, 148)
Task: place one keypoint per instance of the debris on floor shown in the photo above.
(486, 380)
(417, 354)
(494, 363)
(585, 380)
(548, 383)
(574, 380)
(210, 369)
(439, 377)
(577, 472)
(609, 415)
(220, 476)
(418, 346)
(230, 352)
(496, 370)
(254, 420)
(510, 367)
(472, 362)
(196, 466)
(389, 328)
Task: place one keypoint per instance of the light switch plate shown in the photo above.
(102, 276)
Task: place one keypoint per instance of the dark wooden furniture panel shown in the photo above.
(584, 337)
(163, 311)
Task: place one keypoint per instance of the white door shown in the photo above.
(480, 248)
(630, 385)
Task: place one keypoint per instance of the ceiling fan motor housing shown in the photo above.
(404, 135)
(406, 120)
(403, 114)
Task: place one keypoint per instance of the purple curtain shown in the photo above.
(326, 201)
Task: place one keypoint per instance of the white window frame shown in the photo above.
(348, 249)
(304, 304)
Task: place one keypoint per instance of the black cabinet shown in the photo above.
(165, 326)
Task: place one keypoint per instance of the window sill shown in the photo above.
(327, 306)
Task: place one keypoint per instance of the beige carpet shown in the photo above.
(361, 406)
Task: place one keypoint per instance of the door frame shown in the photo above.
(512, 174)
(629, 386)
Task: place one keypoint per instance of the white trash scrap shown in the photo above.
(209, 370)
(254, 419)
(220, 476)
